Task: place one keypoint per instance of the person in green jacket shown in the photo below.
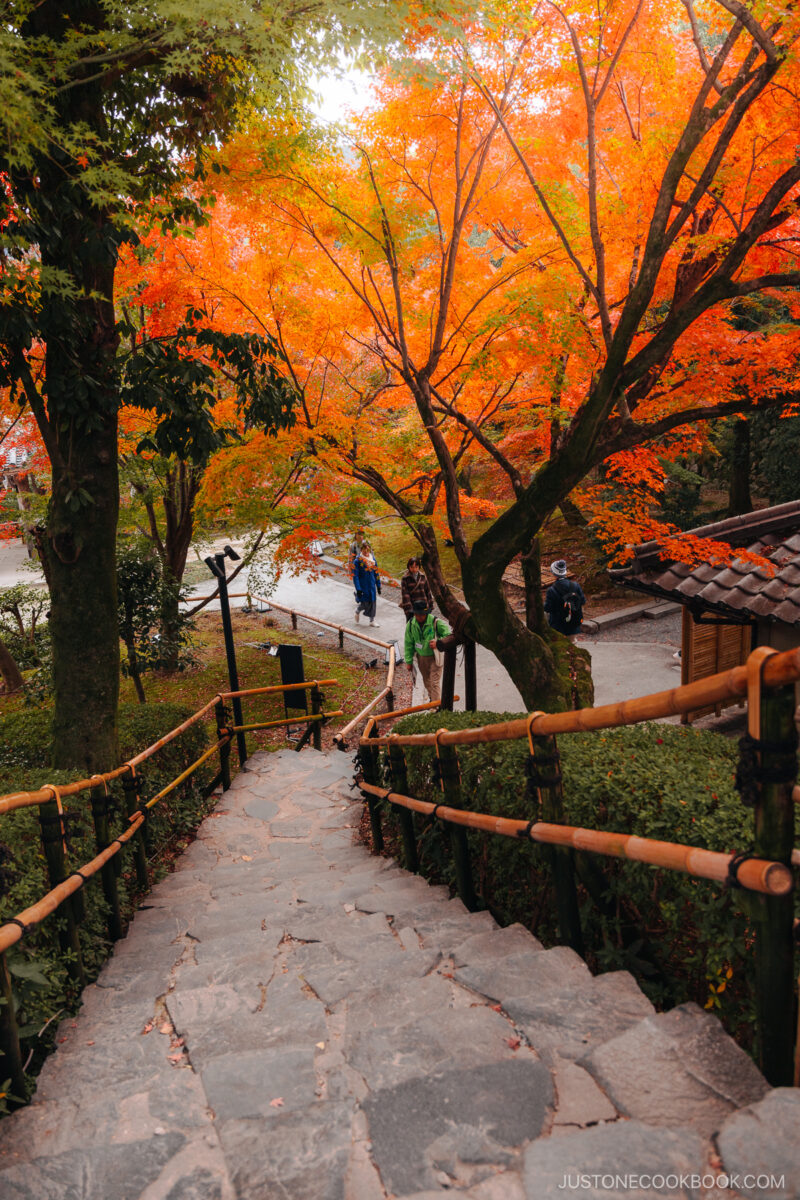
(422, 634)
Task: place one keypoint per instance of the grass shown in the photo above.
(196, 686)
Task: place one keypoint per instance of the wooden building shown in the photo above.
(728, 609)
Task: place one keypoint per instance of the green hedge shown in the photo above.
(684, 938)
(40, 979)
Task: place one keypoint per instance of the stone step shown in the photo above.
(291, 1016)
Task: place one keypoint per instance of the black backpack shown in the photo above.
(571, 610)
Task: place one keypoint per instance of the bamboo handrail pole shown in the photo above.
(756, 874)
(392, 663)
(299, 720)
(361, 637)
(185, 774)
(402, 712)
(281, 687)
(14, 800)
(11, 933)
(173, 733)
(781, 668)
(342, 734)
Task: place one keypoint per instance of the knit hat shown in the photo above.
(559, 568)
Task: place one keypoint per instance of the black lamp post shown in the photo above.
(216, 565)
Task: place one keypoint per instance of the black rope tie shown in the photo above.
(435, 813)
(750, 773)
(732, 880)
(80, 875)
(526, 832)
(20, 924)
(533, 770)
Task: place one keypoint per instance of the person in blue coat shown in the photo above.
(367, 584)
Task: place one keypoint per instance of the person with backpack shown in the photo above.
(414, 588)
(564, 601)
(422, 634)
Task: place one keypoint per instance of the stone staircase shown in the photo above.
(290, 1017)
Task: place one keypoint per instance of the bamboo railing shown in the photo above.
(66, 885)
(385, 693)
(768, 681)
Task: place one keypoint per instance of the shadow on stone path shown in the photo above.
(292, 1018)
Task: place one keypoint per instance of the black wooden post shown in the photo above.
(216, 566)
(52, 828)
(397, 761)
(451, 790)
(225, 748)
(9, 1035)
(470, 677)
(108, 874)
(316, 708)
(547, 768)
(773, 915)
(369, 768)
(448, 679)
(130, 788)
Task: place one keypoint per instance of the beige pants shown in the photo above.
(431, 675)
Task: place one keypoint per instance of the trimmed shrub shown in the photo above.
(683, 938)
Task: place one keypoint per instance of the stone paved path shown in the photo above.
(290, 1018)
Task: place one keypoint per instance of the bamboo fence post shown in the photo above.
(108, 874)
(9, 1035)
(341, 638)
(52, 828)
(225, 747)
(369, 768)
(771, 721)
(470, 677)
(450, 776)
(130, 788)
(397, 761)
(316, 709)
(546, 768)
(294, 620)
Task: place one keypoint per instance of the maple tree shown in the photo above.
(107, 111)
(544, 245)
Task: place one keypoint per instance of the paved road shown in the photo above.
(291, 1018)
(620, 670)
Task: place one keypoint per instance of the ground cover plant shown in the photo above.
(683, 938)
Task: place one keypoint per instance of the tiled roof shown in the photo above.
(738, 589)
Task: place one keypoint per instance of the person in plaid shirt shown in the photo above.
(414, 589)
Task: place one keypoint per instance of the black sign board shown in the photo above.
(291, 658)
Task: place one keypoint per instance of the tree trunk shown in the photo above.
(572, 514)
(739, 499)
(180, 493)
(12, 676)
(550, 672)
(80, 549)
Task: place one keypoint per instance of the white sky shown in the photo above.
(339, 95)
